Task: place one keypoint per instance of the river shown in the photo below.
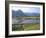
(25, 20)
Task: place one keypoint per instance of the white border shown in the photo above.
(25, 32)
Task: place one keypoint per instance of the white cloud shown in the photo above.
(27, 9)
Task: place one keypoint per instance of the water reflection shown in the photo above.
(25, 20)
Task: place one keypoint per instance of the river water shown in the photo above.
(25, 20)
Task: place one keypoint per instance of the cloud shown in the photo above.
(27, 9)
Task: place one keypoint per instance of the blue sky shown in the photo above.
(27, 9)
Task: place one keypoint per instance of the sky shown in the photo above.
(27, 9)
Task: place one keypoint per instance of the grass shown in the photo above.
(32, 27)
(26, 27)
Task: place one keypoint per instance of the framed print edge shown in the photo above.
(7, 18)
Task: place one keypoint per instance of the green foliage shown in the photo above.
(32, 27)
(17, 27)
(25, 27)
